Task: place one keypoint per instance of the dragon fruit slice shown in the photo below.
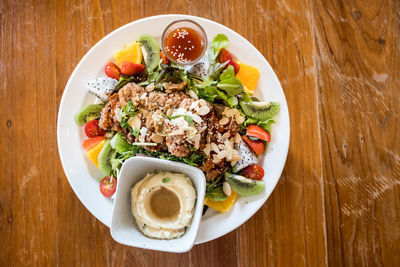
(247, 157)
(101, 87)
(200, 68)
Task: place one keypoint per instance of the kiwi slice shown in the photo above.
(104, 158)
(260, 110)
(244, 186)
(152, 49)
(88, 113)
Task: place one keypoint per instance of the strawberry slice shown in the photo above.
(258, 132)
(257, 146)
(225, 55)
(129, 68)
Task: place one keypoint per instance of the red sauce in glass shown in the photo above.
(184, 45)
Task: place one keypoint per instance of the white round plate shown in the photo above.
(83, 175)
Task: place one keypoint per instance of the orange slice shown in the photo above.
(222, 206)
(249, 76)
(93, 153)
(131, 53)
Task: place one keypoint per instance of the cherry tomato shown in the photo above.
(129, 68)
(91, 142)
(254, 172)
(108, 186)
(258, 132)
(112, 71)
(257, 146)
(165, 60)
(224, 56)
(93, 129)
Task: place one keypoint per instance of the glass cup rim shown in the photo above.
(203, 32)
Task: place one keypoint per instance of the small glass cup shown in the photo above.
(185, 23)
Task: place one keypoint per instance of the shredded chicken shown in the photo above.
(164, 120)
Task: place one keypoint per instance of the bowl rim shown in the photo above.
(162, 164)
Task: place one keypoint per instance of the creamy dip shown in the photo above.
(162, 204)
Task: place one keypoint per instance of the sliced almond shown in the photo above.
(117, 112)
(197, 118)
(223, 121)
(215, 147)
(235, 156)
(177, 132)
(237, 114)
(135, 122)
(226, 135)
(143, 96)
(141, 139)
(194, 105)
(240, 120)
(229, 155)
(203, 110)
(197, 144)
(169, 112)
(143, 131)
(203, 103)
(230, 112)
(157, 138)
(221, 146)
(202, 129)
(193, 95)
(222, 154)
(216, 159)
(207, 149)
(150, 87)
(231, 142)
(227, 189)
(238, 138)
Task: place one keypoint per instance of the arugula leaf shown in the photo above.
(126, 112)
(216, 194)
(136, 132)
(229, 83)
(220, 41)
(176, 116)
(122, 82)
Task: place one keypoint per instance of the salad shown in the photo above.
(204, 115)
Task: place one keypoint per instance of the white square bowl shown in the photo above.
(123, 227)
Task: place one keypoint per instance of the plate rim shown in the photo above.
(178, 16)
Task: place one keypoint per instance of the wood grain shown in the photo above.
(338, 200)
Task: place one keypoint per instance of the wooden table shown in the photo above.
(338, 200)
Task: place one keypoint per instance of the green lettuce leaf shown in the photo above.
(215, 70)
(266, 125)
(229, 83)
(220, 41)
